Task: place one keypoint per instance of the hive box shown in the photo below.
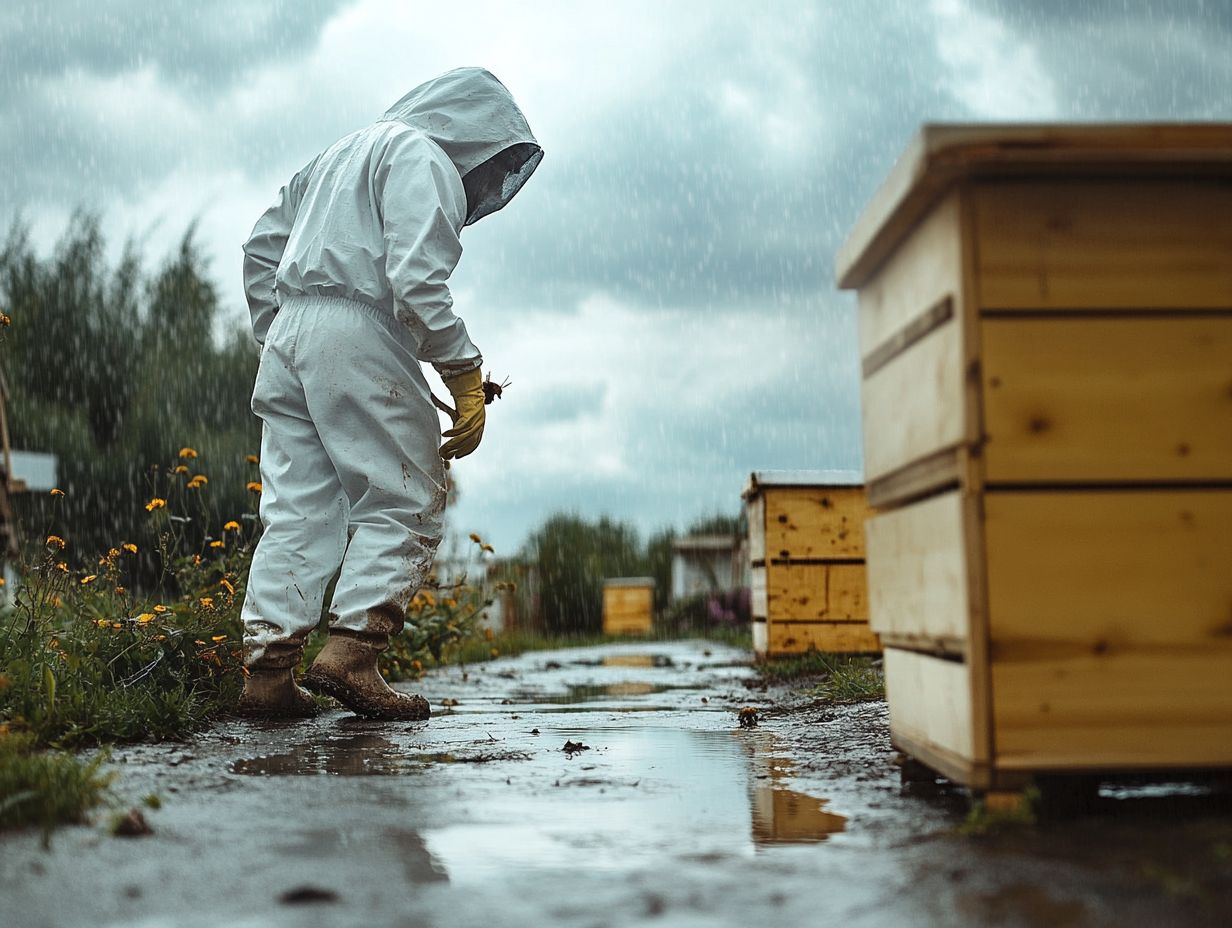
(628, 606)
(1045, 320)
(806, 548)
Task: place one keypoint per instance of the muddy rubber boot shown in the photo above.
(346, 670)
(271, 693)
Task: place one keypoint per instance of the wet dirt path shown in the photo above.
(664, 811)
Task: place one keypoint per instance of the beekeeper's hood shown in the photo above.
(471, 115)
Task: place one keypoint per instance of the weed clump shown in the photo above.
(46, 788)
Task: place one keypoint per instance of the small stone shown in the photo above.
(132, 825)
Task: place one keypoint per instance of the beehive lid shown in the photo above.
(628, 581)
(800, 478)
(941, 155)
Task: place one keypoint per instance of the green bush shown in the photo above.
(46, 788)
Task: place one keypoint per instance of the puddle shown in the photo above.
(346, 756)
(593, 692)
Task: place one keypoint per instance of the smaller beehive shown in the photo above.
(806, 548)
(628, 606)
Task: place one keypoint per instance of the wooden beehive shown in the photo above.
(806, 548)
(628, 606)
(1045, 320)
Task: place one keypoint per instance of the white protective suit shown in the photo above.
(347, 282)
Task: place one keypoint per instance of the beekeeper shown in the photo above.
(347, 282)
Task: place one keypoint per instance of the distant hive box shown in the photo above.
(628, 606)
(1045, 319)
(806, 548)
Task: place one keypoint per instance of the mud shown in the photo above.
(674, 815)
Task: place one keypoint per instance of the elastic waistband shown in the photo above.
(342, 304)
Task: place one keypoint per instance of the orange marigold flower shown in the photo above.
(181, 468)
(145, 617)
(231, 526)
(155, 503)
(160, 608)
(90, 579)
(129, 547)
(56, 491)
(62, 567)
(216, 544)
(254, 486)
(187, 452)
(55, 541)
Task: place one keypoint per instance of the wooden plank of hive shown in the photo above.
(832, 637)
(1111, 632)
(1097, 399)
(1145, 244)
(913, 406)
(918, 575)
(835, 592)
(815, 523)
(930, 712)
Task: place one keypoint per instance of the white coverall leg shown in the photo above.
(349, 448)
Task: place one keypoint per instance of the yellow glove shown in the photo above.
(467, 391)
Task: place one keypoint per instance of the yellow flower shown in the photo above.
(129, 547)
(200, 642)
(6, 320)
(160, 637)
(56, 491)
(117, 624)
(3, 582)
(226, 585)
(196, 560)
(55, 541)
(216, 544)
(113, 552)
(121, 590)
(181, 468)
(495, 652)
(253, 459)
(207, 601)
(254, 486)
(160, 608)
(231, 526)
(475, 538)
(487, 547)
(155, 503)
(187, 452)
(145, 617)
(57, 602)
(62, 567)
(219, 638)
(428, 597)
(89, 579)
(102, 623)
(197, 482)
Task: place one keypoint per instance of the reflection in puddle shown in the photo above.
(592, 692)
(637, 660)
(781, 815)
(347, 756)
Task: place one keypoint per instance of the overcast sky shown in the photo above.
(661, 293)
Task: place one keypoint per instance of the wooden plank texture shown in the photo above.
(758, 592)
(833, 637)
(940, 155)
(1115, 711)
(627, 609)
(930, 702)
(829, 592)
(917, 573)
(1101, 573)
(815, 522)
(1146, 399)
(925, 270)
(1123, 245)
(755, 515)
(914, 406)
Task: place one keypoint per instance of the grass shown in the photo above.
(46, 788)
(835, 677)
(513, 642)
